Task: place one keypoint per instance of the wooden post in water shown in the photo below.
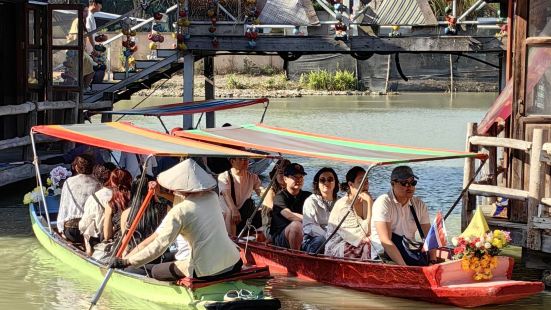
(387, 74)
(468, 173)
(208, 72)
(189, 64)
(533, 240)
(451, 75)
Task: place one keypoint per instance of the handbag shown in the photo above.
(103, 251)
(246, 209)
(412, 251)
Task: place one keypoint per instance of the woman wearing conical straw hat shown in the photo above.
(196, 216)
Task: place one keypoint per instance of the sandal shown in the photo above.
(246, 294)
(232, 295)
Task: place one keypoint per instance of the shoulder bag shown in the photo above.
(412, 251)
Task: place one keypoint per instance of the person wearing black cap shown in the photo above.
(286, 226)
(396, 214)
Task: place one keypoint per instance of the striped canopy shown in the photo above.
(293, 142)
(189, 107)
(125, 137)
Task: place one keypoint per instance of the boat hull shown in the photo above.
(443, 283)
(136, 285)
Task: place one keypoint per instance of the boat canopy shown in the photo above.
(189, 107)
(293, 142)
(125, 137)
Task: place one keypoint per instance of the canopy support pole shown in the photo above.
(465, 189)
(364, 179)
(264, 113)
(199, 120)
(250, 219)
(208, 72)
(189, 64)
(162, 123)
(39, 180)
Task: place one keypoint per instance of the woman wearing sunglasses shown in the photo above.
(352, 238)
(317, 208)
(397, 215)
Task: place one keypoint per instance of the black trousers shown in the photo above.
(169, 272)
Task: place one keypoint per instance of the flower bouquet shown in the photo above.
(478, 254)
(34, 196)
(57, 176)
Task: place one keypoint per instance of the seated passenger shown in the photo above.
(91, 223)
(236, 187)
(278, 184)
(393, 216)
(74, 193)
(317, 208)
(133, 163)
(117, 207)
(195, 216)
(352, 238)
(286, 227)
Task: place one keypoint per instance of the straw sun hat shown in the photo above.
(187, 177)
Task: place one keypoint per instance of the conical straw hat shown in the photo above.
(187, 177)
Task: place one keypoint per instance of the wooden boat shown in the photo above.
(189, 292)
(443, 283)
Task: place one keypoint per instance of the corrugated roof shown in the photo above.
(404, 12)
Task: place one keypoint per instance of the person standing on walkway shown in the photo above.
(93, 7)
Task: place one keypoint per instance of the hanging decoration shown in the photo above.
(182, 34)
(155, 35)
(251, 18)
(395, 32)
(98, 54)
(129, 43)
(340, 26)
(212, 14)
(451, 29)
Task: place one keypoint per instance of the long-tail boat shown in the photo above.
(440, 283)
(189, 292)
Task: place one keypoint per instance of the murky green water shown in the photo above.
(30, 278)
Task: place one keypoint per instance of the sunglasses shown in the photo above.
(328, 180)
(296, 177)
(406, 183)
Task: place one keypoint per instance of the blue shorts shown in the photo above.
(280, 240)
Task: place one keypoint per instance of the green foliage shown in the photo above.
(277, 82)
(489, 10)
(325, 80)
(234, 83)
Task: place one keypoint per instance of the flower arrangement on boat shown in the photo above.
(55, 181)
(478, 254)
(34, 196)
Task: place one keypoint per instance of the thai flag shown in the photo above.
(437, 236)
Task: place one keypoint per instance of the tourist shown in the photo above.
(196, 216)
(117, 209)
(278, 184)
(93, 7)
(91, 223)
(395, 215)
(352, 237)
(75, 191)
(317, 208)
(236, 187)
(286, 226)
(87, 61)
(134, 164)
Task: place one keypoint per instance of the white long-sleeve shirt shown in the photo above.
(91, 223)
(315, 215)
(74, 193)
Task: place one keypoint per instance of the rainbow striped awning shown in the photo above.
(293, 142)
(189, 107)
(125, 137)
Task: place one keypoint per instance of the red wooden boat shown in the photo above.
(444, 283)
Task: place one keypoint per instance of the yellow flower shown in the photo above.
(49, 181)
(27, 198)
(465, 264)
(497, 243)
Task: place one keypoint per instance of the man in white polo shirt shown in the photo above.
(392, 214)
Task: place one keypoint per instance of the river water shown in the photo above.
(33, 279)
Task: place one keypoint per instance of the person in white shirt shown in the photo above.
(317, 207)
(195, 216)
(74, 193)
(93, 7)
(244, 183)
(392, 215)
(133, 163)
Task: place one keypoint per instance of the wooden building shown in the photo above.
(33, 88)
(516, 132)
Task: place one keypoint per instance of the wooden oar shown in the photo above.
(123, 245)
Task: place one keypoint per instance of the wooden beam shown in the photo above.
(541, 222)
(55, 105)
(538, 40)
(103, 104)
(547, 148)
(501, 142)
(469, 201)
(546, 201)
(23, 108)
(517, 230)
(22, 172)
(328, 44)
(498, 191)
(15, 142)
(535, 188)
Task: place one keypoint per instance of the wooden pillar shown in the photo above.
(387, 78)
(469, 201)
(189, 65)
(208, 72)
(451, 75)
(536, 181)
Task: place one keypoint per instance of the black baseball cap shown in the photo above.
(402, 173)
(294, 168)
